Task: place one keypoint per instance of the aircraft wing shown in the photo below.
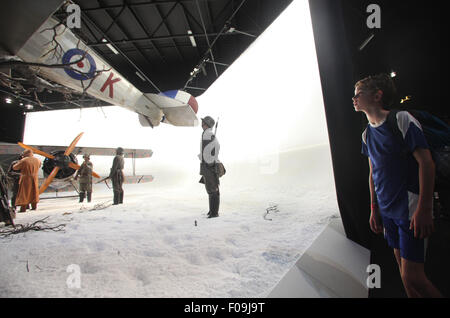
(14, 149)
(92, 75)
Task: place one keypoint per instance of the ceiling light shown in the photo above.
(112, 48)
(194, 44)
(8, 100)
(233, 30)
(203, 70)
(407, 98)
(364, 44)
(393, 74)
(140, 76)
(29, 106)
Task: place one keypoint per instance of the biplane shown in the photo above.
(60, 163)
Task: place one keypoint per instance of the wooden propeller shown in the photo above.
(55, 170)
(37, 151)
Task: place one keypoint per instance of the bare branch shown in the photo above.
(57, 49)
(21, 63)
(39, 84)
(35, 226)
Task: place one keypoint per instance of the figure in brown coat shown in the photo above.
(28, 183)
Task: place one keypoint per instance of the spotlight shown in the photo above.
(29, 106)
(8, 100)
(364, 44)
(407, 98)
(140, 76)
(191, 37)
(393, 74)
(112, 48)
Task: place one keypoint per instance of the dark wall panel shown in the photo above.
(12, 123)
(344, 125)
(20, 19)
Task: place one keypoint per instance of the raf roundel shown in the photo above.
(86, 66)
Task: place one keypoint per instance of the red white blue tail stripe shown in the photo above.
(183, 97)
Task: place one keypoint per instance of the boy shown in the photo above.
(401, 186)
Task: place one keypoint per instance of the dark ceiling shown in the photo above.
(152, 37)
(411, 42)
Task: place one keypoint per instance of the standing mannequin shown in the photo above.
(85, 174)
(117, 176)
(28, 183)
(209, 153)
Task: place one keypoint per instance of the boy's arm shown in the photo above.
(375, 218)
(422, 220)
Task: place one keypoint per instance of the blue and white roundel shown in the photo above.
(87, 65)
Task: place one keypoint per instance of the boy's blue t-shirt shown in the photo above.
(396, 176)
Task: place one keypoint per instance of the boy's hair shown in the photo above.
(382, 82)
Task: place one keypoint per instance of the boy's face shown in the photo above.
(361, 100)
(365, 100)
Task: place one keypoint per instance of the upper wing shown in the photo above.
(14, 149)
(127, 152)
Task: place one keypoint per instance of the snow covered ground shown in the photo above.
(159, 243)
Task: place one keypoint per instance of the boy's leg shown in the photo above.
(412, 252)
(398, 258)
(416, 282)
(391, 235)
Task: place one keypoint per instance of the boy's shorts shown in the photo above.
(399, 236)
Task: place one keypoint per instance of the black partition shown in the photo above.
(409, 42)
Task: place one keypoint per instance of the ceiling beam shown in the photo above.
(167, 37)
(163, 22)
(137, 48)
(188, 27)
(207, 39)
(145, 31)
(114, 20)
(86, 18)
(142, 3)
(224, 29)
